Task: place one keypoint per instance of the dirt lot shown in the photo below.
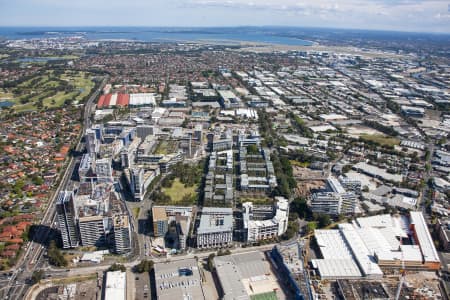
(420, 285)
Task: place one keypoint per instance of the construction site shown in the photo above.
(380, 257)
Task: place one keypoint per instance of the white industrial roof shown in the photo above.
(142, 99)
(336, 268)
(424, 238)
(115, 285)
(362, 255)
(332, 245)
(375, 171)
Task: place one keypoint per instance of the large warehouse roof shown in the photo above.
(424, 238)
(337, 268)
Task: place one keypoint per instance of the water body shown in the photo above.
(6, 104)
(147, 34)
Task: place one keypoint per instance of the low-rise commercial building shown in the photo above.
(178, 280)
(116, 285)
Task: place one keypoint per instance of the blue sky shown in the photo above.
(403, 15)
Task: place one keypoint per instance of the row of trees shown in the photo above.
(301, 126)
(284, 174)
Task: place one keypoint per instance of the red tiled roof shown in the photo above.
(16, 241)
(9, 253)
(11, 229)
(123, 99)
(13, 247)
(23, 225)
(101, 101)
(107, 100)
(5, 235)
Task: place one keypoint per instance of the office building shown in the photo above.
(103, 170)
(216, 228)
(275, 226)
(160, 221)
(92, 142)
(334, 200)
(180, 216)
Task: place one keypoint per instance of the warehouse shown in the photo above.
(368, 245)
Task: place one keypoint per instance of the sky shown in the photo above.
(400, 15)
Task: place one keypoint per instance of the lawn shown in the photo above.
(136, 211)
(177, 191)
(5, 95)
(165, 147)
(381, 139)
(44, 87)
(299, 164)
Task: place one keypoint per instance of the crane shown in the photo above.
(403, 272)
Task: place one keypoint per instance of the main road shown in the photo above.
(29, 261)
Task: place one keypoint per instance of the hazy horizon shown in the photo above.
(421, 16)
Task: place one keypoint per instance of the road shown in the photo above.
(30, 260)
(57, 273)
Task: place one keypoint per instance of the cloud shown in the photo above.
(411, 15)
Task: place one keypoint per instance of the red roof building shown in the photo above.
(107, 100)
(123, 99)
(101, 101)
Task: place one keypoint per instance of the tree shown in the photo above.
(310, 227)
(117, 267)
(252, 149)
(55, 257)
(324, 220)
(211, 262)
(300, 206)
(223, 252)
(37, 276)
(291, 231)
(144, 266)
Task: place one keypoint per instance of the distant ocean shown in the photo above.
(157, 34)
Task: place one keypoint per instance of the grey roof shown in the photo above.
(170, 285)
(231, 269)
(215, 219)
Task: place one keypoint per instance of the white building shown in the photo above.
(103, 170)
(140, 180)
(92, 143)
(269, 228)
(335, 200)
(116, 285)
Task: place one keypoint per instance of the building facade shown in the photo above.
(67, 219)
(216, 228)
